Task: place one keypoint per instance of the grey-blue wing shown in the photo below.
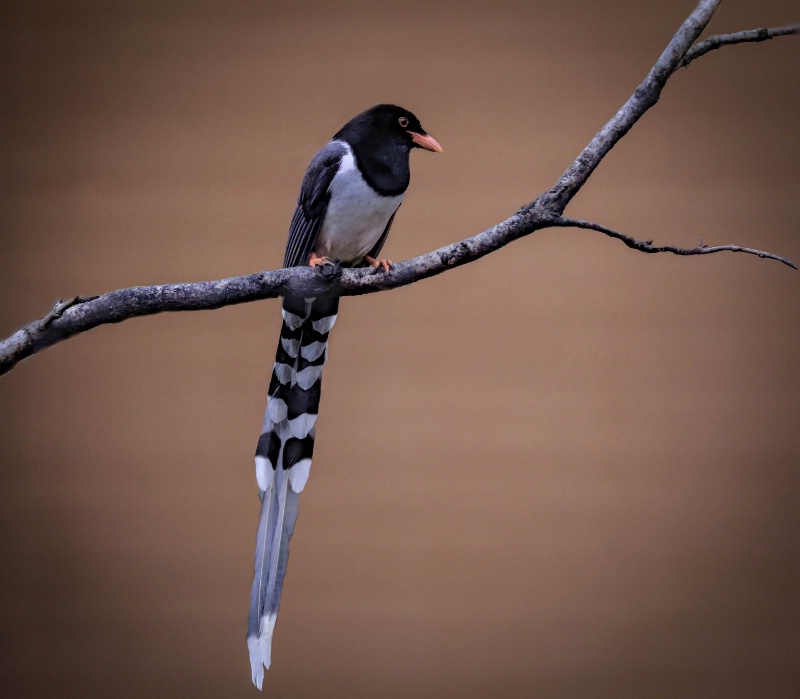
(312, 203)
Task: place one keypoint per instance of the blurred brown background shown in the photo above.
(567, 470)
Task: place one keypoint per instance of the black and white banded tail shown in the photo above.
(283, 458)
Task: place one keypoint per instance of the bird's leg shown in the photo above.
(316, 261)
(386, 264)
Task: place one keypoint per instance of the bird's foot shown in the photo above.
(326, 267)
(386, 264)
(315, 261)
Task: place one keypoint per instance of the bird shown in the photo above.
(348, 199)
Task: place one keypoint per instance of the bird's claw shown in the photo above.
(385, 264)
(316, 261)
(327, 267)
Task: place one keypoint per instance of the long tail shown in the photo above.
(283, 459)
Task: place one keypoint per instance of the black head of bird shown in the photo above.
(387, 124)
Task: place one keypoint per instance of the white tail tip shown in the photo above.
(260, 648)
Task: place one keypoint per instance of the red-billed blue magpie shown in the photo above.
(349, 197)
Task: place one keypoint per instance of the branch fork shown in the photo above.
(79, 314)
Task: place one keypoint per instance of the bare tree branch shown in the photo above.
(80, 314)
(748, 35)
(644, 97)
(647, 245)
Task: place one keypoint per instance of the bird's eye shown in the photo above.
(403, 121)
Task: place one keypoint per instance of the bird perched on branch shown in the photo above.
(349, 197)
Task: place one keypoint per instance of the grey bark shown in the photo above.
(78, 315)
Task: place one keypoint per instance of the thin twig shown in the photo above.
(647, 245)
(748, 35)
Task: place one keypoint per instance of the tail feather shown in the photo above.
(283, 459)
(276, 525)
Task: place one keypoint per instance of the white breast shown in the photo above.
(356, 217)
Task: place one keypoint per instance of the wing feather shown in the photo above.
(312, 203)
